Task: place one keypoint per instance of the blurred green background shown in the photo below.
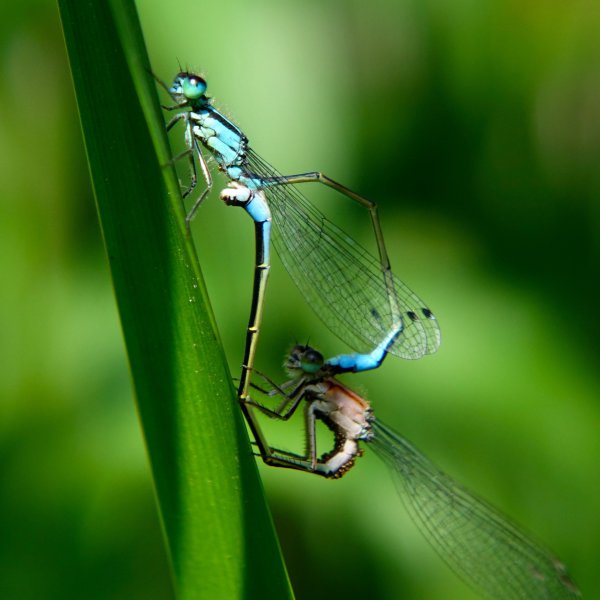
(476, 127)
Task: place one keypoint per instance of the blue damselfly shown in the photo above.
(355, 294)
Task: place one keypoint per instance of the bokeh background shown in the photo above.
(476, 127)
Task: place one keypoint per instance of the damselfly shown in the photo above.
(481, 545)
(355, 294)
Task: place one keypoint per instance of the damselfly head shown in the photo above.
(188, 88)
(304, 359)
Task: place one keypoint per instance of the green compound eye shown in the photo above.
(193, 87)
(311, 361)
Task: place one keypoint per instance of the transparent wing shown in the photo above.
(341, 280)
(472, 537)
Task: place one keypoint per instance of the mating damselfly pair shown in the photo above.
(358, 298)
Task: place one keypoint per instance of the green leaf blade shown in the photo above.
(219, 531)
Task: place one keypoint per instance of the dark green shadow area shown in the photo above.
(217, 525)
